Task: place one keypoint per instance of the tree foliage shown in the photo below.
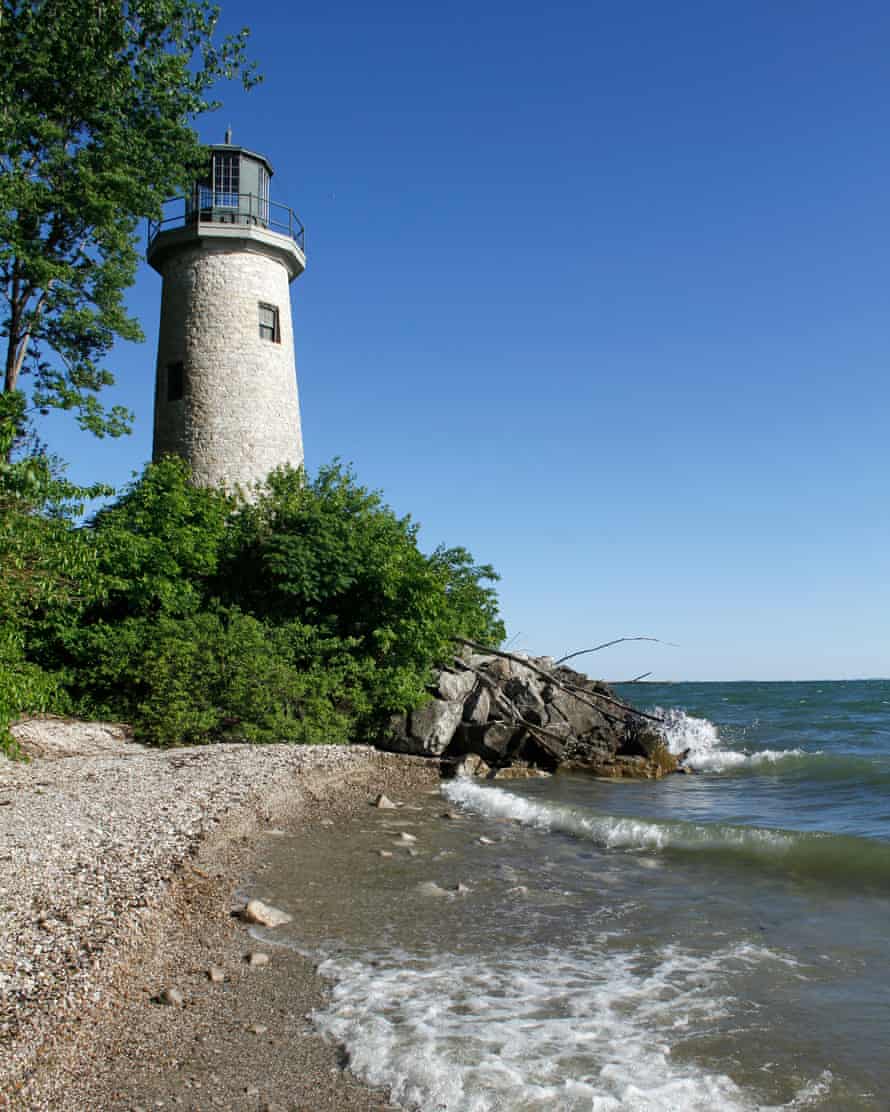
(96, 102)
(309, 614)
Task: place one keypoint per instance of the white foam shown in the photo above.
(613, 832)
(682, 731)
(535, 1030)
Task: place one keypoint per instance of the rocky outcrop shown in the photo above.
(494, 712)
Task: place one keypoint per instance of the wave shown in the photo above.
(706, 752)
(533, 1030)
(839, 859)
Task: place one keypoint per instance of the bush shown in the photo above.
(309, 614)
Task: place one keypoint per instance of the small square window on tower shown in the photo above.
(175, 382)
(269, 323)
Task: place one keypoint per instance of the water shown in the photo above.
(715, 941)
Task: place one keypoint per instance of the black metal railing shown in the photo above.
(207, 206)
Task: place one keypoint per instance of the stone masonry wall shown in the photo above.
(239, 416)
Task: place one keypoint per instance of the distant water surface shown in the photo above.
(713, 941)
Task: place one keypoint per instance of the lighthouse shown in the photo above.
(226, 385)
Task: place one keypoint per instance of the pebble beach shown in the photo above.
(121, 876)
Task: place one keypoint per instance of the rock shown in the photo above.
(455, 686)
(477, 707)
(405, 837)
(518, 772)
(216, 975)
(430, 888)
(450, 815)
(384, 852)
(498, 668)
(172, 997)
(267, 916)
(257, 1028)
(384, 803)
(473, 765)
(49, 737)
(257, 958)
(432, 726)
(498, 740)
(565, 707)
(483, 841)
(526, 697)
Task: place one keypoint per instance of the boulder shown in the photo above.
(432, 726)
(525, 695)
(582, 726)
(580, 716)
(455, 686)
(477, 707)
(473, 765)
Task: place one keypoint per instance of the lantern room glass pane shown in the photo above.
(226, 180)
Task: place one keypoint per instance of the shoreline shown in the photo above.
(119, 880)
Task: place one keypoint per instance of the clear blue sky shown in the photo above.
(601, 292)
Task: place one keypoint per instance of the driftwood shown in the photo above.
(608, 645)
(570, 688)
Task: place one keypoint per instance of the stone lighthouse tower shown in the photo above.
(226, 387)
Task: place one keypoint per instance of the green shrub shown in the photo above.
(309, 614)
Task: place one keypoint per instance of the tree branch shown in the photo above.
(608, 644)
(578, 692)
(507, 704)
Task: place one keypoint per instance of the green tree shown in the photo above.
(309, 614)
(96, 103)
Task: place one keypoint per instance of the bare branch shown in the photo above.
(609, 644)
(571, 688)
(505, 703)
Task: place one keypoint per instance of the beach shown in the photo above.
(711, 940)
(120, 876)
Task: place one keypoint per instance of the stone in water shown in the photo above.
(267, 916)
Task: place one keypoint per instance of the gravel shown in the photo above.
(90, 846)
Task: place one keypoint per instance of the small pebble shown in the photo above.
(405, 837)
(258, 1028)
(257, 957)
(384, 803)
(173, 997)
(216, 975)
(385, 852)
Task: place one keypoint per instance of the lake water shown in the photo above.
(712, 941)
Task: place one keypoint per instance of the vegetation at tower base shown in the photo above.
(309, 614)
(96, 102)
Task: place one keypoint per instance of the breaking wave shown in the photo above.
(835, 858)
(706, 750)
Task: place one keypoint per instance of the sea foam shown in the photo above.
(528, 1030)
(707, 752)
